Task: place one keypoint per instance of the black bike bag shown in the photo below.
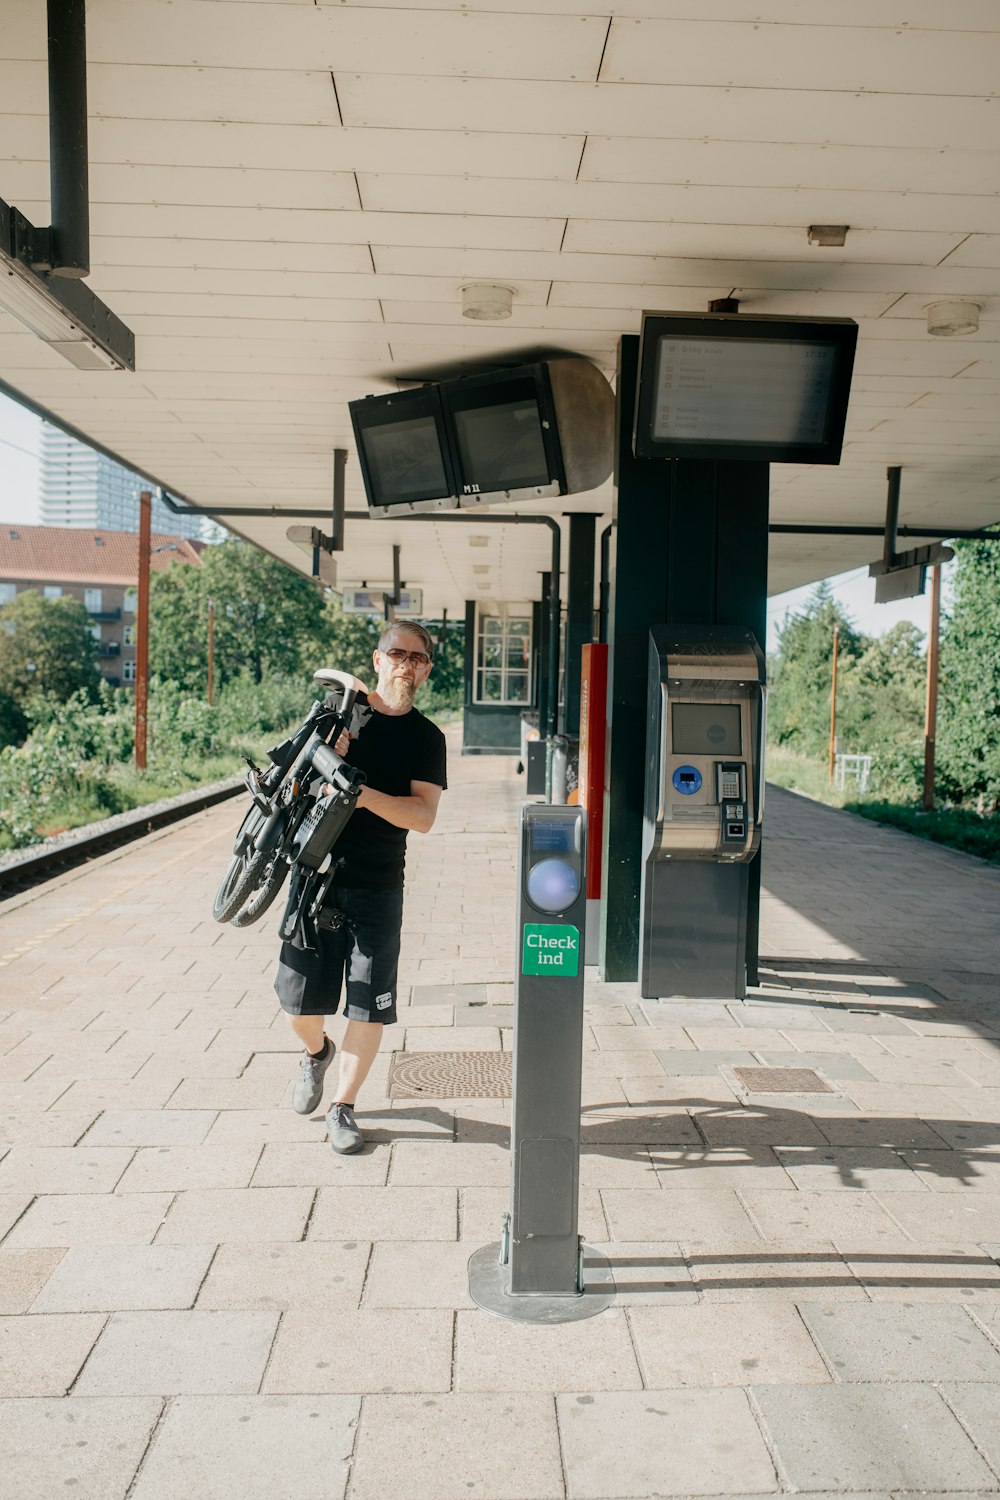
(322, 826)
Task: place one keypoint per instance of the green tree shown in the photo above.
(969, 727)
(799, 694)
(264, 615)
(46, 648)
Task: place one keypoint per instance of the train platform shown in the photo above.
(198, 1297)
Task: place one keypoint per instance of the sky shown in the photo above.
(19, 445)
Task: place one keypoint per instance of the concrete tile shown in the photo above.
(647, 1273)
(757, 1125)
(628, 1038)
(899, 1437)
(706, 1345)
(648, 1127)
(753, 1272)
(379, 1213)
(906, 1272)
(751, 1038)
(886, 1341)
(977, 1409)
(739, 1167)
(89, 1448)
(801, 1219)
(12, 1206)
(229, 1093)
(179, 1353)
(257, 1447)
(290, 1164)
(494, 1355)
(679, 1089)
(695, 1064)
(28, 1096)
(481, 1211)
(640, 1062)
(834, 1065)
(97, 1219)
(41, 1356)
(834, 1168)
(864, 1022)
(23, 1273)
(419, 1273)
(954, 1171)
(283, 1275)
(617, 1167)
(443, 1164)
(263, 1126)
(222, 1215)
(864, 1131)
(118, 1278)
(947, 1218)
(686, 1013)
(63, 1169)
(51, 1127)
(477, 1015)
(679, 1442)
(179, 1168)
(779, 1017)
(343, 1352)
(150, 1127)
(515, 1455)
(696, 1214)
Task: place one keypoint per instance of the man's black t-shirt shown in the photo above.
(392, 750)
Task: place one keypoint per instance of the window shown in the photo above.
(52, 591)
(95, 631)
(128, 670)
(129, 635)
(503, 653)
(8, 591)
(131, 601)
(92, 601)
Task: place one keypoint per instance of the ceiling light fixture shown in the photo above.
(25, 296)
(950, 319)
(487, 304)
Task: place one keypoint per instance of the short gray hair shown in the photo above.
(412, 628)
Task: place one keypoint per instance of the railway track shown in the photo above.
(42, 862)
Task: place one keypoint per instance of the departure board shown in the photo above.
(713, 390)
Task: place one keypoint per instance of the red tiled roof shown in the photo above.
(72, 554)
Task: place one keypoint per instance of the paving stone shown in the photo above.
(800, 1219)
(98, 1219)
(685, 1013)
(150, 1127)
(286, 1275)
(88, 1448)
(222, 1215)
(779, 1017)
(379, 1213)
(23, 1273)
(646, 1127)
(257, 1447)
(515, 1455)
(111, 1278)
(289, 1164)
(706, 1345)
(831, 1168)
(694, 1064)
(881, 1342)
(41, 1356)
(679, 1089)
(616, 1167)
(951, 1171)
(907, 1272)
(679, 1442)
(440, 1164)
(494, 1355)
(51, 1127)
(752, 1272)
(859, 1131)
(647, 1273)
(263, 1127)
(758, 1125)
(835, 1065)
(866, 1023)
(696, 1214)
(979, 1412)
(342, 1351)
(63, 1169)
(948, 1218)
(898, 1437)
(179, 1353)
(179, 1168)
(631, 1038)
(418, 1274)
(477, 1015)
(755, 1166)
(12, 1206)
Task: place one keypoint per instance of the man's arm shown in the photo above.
(415, 812)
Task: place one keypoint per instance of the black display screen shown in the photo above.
(404, 461)
(553, 835)
(501, 447)
(706, 729)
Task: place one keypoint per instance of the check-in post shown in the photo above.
(538, 1272)
(704, 803)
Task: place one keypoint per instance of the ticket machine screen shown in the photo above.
(707, 729)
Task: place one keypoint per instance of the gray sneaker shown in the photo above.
(309, 1084)
(344, 1134)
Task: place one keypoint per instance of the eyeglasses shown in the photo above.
(418, 658)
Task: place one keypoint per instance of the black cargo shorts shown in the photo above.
(365, 950)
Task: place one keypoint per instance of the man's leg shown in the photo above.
(358, 1050)
(309, 1030)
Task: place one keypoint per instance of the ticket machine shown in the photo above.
(704, 799)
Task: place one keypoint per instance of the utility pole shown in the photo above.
(930, 717)
(211, 652)
(142, 631)
(833, 699)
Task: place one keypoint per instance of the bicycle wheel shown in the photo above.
(243, 871)
(274, 875)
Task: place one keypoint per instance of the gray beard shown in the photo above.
(398, 693)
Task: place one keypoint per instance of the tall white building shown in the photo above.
(80, 487)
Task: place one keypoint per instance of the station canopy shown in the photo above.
(288, 198)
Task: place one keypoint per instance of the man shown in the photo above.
(403, 756)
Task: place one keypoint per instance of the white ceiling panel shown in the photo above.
(309, 284)
(263, 255)
(961, 15)
(751, 241)
(206, 186)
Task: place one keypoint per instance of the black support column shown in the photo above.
(689, 547)
(579, 614)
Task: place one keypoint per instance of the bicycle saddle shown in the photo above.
(328, 678)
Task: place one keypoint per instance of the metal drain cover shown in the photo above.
(450, 1075)
(781, 1081)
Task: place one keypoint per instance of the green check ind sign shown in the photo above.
(549, 948)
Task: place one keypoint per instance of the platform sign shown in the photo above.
(371, 601)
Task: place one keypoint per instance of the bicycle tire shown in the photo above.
(241, 874)
(275, 874)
